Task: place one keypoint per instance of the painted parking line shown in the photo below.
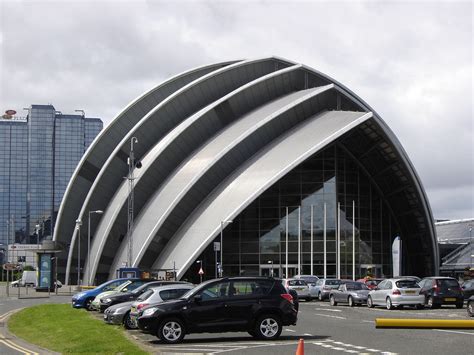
(348, 348)
(328, 310)
(329, 316)
(455, 332)
(290, 330)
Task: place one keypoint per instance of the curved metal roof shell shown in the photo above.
(195, 146)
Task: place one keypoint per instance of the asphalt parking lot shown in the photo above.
(325, 330)
(334, 330)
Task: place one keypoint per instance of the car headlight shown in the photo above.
(107, 300)
(149, 311)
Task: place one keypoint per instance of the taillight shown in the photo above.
(396, 292)
(326, 288)
(141, 305)
(435, 286)
(287, 297)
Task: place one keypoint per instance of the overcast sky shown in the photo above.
(411, 61)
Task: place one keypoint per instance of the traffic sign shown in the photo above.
(11, 266)
(201, 271)
(217, 246)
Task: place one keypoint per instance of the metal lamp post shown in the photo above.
(200, 273)
(470, 242)
(132, 164)
(89, 243)
(271, 267)
(78, 228)
(223, 224)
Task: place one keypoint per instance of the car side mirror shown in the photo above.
(197, 298)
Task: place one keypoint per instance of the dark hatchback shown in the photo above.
(439, 291)
(111, 300)
(259, 306)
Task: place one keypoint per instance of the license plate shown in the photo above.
(299, 289)
(410, 292)
(450, 299)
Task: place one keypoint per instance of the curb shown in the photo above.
(424, 323)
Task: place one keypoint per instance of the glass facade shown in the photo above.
(38, 157)
(302, 208)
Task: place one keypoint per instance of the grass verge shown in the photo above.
(61, 328)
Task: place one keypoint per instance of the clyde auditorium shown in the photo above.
(291, 170)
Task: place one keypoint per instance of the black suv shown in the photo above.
(260, 306)
(441, 290)
(108, 301)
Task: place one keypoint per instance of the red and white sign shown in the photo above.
(201, 271)
(10, 112)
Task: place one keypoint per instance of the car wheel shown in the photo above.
(332, 301)
(171, 331)
(470, 309)
(388, 303)
(128, 323)
(370, 303)
(459, 305)
(350, 300)
(88, 304)
(320, 296)
(268, 327)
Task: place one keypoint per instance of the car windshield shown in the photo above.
(196, 289)
(115, 286)
(407, 284)
(297, 283)
(356, 286)
(448, 283)
(310, 279)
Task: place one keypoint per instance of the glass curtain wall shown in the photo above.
(273, 235)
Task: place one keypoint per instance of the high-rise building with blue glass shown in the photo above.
(37, 158)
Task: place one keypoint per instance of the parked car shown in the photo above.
(121, 313)
(470, 306)
(396, 292)
(468, 289)
(325, 286)
(28, 278)
(127, 286)
(293, 294)
(439, 290)
(155, 296)
(85, 298)
(260, 306)
(353, 293)
(110, 300)
(371, 283)
(300, 286)
(311, 280)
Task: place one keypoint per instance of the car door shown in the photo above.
(378, 292)
(245, 296)
(206, 312)
(338, 293)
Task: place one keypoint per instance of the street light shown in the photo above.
(271, 267)
(200, 273)
(78, 228)
(89, 244)
(470, 241)
(132, 164)
(223, 224)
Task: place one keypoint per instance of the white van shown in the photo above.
(28, 278)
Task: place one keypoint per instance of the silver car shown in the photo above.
(396, 292)
(324, 287)
(311, 280)
(300, 286)
(120, 314)
(156, 295)
(353, 293)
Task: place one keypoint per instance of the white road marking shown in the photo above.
(454, 331)
(328, 316)
(328, 310)
(290, 330)
(308, 335)
(367, 321)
